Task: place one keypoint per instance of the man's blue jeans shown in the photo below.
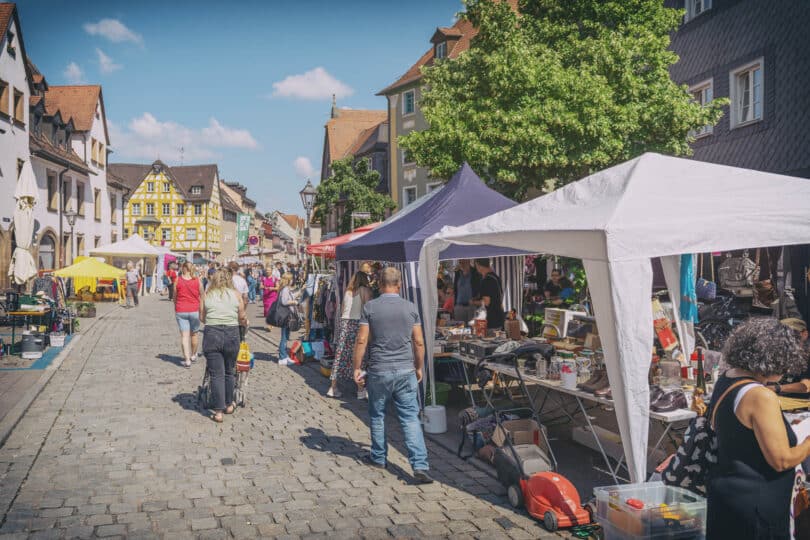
(402, 388)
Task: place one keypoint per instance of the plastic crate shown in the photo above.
(668, 512)
(56, 339)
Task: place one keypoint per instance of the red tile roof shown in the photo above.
(342, 132)
(42, 146)
(6, 12)
(462, 29)
(77, 102)
(294, 221)
(368, 138)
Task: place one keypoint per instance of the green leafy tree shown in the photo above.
(556, 92)
(353, 185)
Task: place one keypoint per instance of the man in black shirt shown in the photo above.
(491, 294)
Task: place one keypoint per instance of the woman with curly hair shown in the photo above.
(749, 489)
(357, 294)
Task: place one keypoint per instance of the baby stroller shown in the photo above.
(244, 362)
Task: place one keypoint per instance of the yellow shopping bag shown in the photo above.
(243, 358)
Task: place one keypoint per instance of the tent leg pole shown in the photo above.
(598, 441)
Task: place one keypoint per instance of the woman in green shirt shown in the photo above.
(223, 312)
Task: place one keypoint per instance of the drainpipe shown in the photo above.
(61, 184)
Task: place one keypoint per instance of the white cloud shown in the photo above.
(220, 135)
(114, 30)
(147, 138)
(105, 63)
(73, 73)
(303, 167)
(314, 84)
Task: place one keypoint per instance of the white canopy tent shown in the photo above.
(132, 247)
(617, 220)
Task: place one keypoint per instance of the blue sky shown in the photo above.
(200, 75)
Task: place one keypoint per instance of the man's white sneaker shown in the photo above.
(285, 362)
(334, 392)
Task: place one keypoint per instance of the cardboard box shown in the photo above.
(524, 431)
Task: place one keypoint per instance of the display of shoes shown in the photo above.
(602, 392)
(594, 377)
(655, 393)
(600, 383)
(670, 401)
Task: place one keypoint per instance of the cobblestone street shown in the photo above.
(115, 446)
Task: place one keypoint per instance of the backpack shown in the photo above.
(689, 467)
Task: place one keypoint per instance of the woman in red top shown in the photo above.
(188, 294)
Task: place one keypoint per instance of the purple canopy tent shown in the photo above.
(399, 239)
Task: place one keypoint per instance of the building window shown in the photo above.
(96, 241)
(198, 209)
(53, 192)
(102, 155)
(150, 209)
(181, 209)
(150, 187)
(47, 252)
(80, 244)
(434, 186)
(408, 195)
(113, 209)
(19, 106)
(4, 98)
(167, 209)
(702, 93)
(746, 94)
(408, 102)
(97, 204)
(191, 234)
(166, 234)
(441, 50)
(407, 159)
(136, 209)
(166, 187)
(80, 199)
(126, 234)
(695, 8)
(196, 190)
(94, 150)
(65, 194)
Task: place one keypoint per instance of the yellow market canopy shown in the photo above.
(88, 271)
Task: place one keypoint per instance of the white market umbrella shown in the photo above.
(23, 267)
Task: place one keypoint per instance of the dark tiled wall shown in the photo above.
(728, 36)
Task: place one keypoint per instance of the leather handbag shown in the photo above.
(705, 289)
(689, 466)
(737, 273)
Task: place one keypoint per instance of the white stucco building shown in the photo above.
(14, 95)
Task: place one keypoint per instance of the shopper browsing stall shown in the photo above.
(357, 294)
(750, 487)
(558, 288)
(491, 294)
(798, 383)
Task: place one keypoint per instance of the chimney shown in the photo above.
(334, 107)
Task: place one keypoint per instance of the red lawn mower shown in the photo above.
(526, 466)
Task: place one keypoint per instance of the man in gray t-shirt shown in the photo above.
(391, 331)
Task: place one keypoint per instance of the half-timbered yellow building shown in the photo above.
(175, 207)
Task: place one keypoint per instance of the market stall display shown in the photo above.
(616, 221)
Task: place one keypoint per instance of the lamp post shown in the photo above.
(308, 200)
(70, 215)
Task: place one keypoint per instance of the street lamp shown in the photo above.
(308, 200)
(70, 215)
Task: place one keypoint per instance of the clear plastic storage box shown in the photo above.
(650, 511)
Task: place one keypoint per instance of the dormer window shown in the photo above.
(10, 48)
(196, 190)
(441, 50)
(695, 8)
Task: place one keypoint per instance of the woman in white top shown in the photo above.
(357, 294)
(287, 298)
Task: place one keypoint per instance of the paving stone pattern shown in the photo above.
(114, 446)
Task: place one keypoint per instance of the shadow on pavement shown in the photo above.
(317, 439)
(188, 401)
(171, 358)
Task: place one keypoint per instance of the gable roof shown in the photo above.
(8, 11)
(463, 30)
(228, 204)
(343, 130)
(78, 102)
(369, 138)
(184, 177)
(293, 221)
